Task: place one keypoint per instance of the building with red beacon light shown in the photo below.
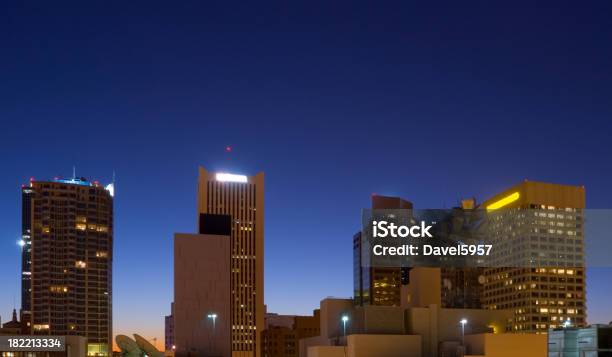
(218, 272)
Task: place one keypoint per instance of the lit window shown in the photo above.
(80, 264)
(58, 289)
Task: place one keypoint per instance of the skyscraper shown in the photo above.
(461, 285)
(169, 330)
(26, 258)
(539, 274)
(242, 199)
(67, 257)
(379, 286)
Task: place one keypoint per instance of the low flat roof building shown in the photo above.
(594, 340)
(283, 333)
(420, 327)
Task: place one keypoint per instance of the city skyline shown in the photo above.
(332, 102)
(593, 317)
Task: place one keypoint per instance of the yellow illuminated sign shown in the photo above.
(504, 201)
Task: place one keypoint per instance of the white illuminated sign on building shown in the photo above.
(223, 177)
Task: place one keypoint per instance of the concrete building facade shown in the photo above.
(202, 290)
(230, 217)
(283, 333)
(242, 199)
(420, 327)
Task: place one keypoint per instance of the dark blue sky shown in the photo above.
(333, 101)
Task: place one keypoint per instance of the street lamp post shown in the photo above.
(345, 319)
(463, 322)
(213, 318)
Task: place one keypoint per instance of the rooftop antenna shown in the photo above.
(73, 172)
(113, 177)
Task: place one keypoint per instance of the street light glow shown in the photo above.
(21, 242)
(213, 316)
(463, 322)
(344, 319)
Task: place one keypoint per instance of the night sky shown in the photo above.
(334, 101)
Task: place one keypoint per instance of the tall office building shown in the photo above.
(26, 258)
(242, 199)
(462, 284)
(379, 286)
(67, 256)
(382, 286)
(537, 231)
(169, 344)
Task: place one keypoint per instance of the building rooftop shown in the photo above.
(81, 181)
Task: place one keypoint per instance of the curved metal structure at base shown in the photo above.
(136, 347)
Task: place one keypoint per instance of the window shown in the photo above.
(80, 264)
